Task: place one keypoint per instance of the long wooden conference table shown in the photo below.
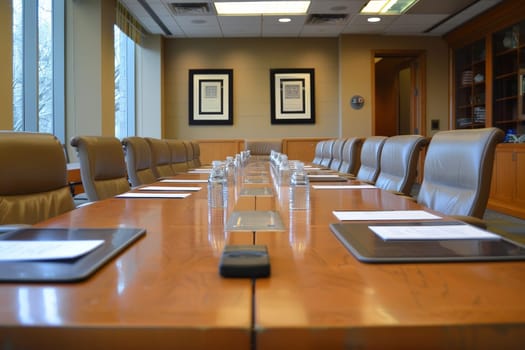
(165, 292)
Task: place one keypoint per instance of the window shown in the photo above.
(124, 84)
(38, 66)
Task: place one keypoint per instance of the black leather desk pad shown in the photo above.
(366, 246)
(66, 270)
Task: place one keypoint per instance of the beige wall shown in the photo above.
(251, 60)
(6, 65)
(356, 78)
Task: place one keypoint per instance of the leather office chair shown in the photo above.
(33, 180)
(190, 156)
(458, 172)
(350, 155)
(178, 155)
(102, 166)
(261, 149)
(370, 159)
(327, 153)
(399, 162)
(337, 154)
(138, 161)
(318, 153)
(160, 157)
(196, 154)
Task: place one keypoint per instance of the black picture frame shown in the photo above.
(210, 96)
(292, 95)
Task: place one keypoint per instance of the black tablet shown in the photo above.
(366, 246)
(65, 270)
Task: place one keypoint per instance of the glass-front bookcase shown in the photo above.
(469, 72)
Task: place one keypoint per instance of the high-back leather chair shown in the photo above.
(196, 154)
(458, 171)
(33, 179)
(399, 162)
(350, 155)
(370, 158)
(261, 149)
(102, 166)
(138, 161)
(178, 155)
(160, 157)
(327, 153)
(337, 154)
(318, 153)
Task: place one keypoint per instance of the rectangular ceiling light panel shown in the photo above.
(387, 7)
(261, 7)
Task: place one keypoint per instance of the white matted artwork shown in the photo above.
(210, 96)
(292, 94)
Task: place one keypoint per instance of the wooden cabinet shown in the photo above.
(488, 68)
(302, 149)
(507, 193)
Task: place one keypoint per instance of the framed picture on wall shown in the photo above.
(292, 96)
(210, 96)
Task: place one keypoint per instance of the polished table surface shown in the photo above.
(165, 291)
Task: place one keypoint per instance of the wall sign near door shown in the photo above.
(357, 102)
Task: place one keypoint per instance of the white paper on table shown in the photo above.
(169, 188)
(199, 171)
(431, 232)
(184, 180)
(384, 215)
(45, 250)
(152, 195)
(323, 175)
(341, 187)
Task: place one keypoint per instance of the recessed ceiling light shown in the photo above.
(373, 19)
(261, 7)
(285, 20)
(388, 7)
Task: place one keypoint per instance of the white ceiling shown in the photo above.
(426, 17)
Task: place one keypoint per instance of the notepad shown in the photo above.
(169, 188)
(45, 250)
(199, 171)
(341, 187)
(439, 232)
(184, 180)
(152, 195)
(384, 215)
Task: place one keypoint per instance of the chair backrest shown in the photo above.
(138, 161)
(190, 156)
(370, 158)
(160, 157)
(102, 166)
(337, 154)
(178, 155)
(399, 162)
(458, 171)
(327, 153)
(350, 155)
(260, 149)
(196, 154)
(318, 153)
(33, 179)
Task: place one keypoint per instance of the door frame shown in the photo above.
(418, 97)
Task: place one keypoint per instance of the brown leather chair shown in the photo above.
(161, 157)
(399, 162)
(261, 149)
(337, 154)
(138, 161)
(370, 159)
(350, 155)
(190, 156)
(458, 171)
(102, 166)
(196, 154)
(178, 155)
(33, 180)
